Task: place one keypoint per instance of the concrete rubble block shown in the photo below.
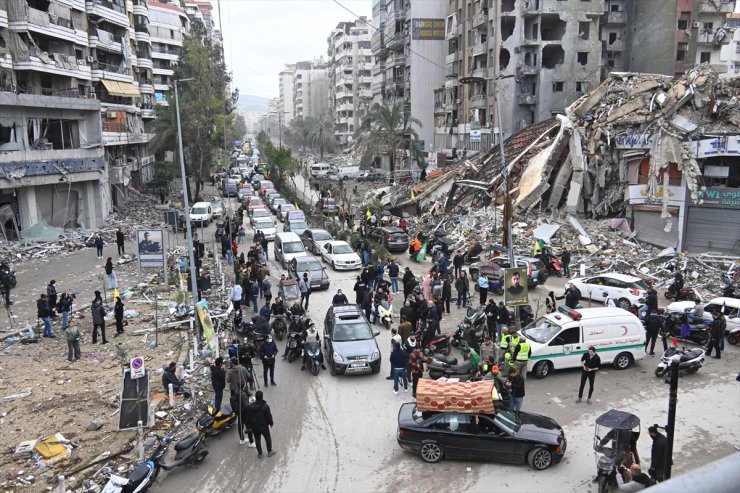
(644, 86)
(638, 103)
(591, 100)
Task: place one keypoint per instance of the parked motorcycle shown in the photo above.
(440, 343)
(697, 332)
(385, 314)
(682, 294)
(211, 425)
(734, 337)
(279, 326)
(689, 360)
(463, 371)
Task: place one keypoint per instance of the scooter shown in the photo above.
(279, 326)
(294, 349)
(682, 294)
(734, 337)
(463, 371)
(440, 343)
(385, 314)
(190, 450)
(467, 334)
(311, 353)
(689, 360)
(698, 330)
(211, 425)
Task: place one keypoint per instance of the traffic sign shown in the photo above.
(137, 367)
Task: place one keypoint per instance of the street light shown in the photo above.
(191, 253)
(280, 125)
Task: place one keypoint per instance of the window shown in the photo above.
(708, 26)
(705, 57)
(454, 422)
(557, 86)
(583, 57)
(614, 7)
(681, 51)
(581, 86)
(612, 38)
(568, 336)
(683, 24)
(584, 29)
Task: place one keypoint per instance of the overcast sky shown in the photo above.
(261, 36)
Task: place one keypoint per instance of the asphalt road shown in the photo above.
(338, 433)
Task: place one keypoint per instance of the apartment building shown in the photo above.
(285, 105)
(540, 55)
(202, 10)
(730, 53)
(408, 44)
(350, 77)
(664, 36)
(168, 24)
(311, 89)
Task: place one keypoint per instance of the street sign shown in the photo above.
(137, 367)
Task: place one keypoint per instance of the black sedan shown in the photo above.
(507, 436)
(313, 238)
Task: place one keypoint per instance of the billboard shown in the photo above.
(206, 323)
(428, 29)
(150, 244)
(516, 289)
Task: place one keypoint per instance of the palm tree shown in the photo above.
(386, 128)
(321, 134)
(164, 128)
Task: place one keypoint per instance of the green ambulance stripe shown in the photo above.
(615, 348)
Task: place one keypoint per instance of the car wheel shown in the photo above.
(624, 304)
(542, 369)
(623, 361)
(333, 266)
(375, 370)
(732, 339)
(539, 458)
(431, 452)
(332, 370)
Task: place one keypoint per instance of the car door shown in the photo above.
(595, 288)
(491, 442)
(326, 252)
(452, 431)
(566, 348)
(616, 289)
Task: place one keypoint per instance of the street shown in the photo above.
(335, 433)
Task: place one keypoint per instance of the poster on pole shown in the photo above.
(134, 401)
(515, 292)
(151, 248)
(209, 333)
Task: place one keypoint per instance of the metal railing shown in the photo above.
(109, 67)
(71, 92)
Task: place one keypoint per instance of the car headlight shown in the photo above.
(375, 355)
(337, 357)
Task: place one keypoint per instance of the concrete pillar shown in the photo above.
(27, 207)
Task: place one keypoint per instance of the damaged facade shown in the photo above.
(663, 153)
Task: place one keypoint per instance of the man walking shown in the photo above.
(72, 334)
(218, 380)
(238, 376)
(99, 246)
(716, 333)
(457, 261)
(590, 362)
(657, 454)
(462, 284)
(565, 260)
(98, 318)
(416, 367)
(653, 326)
(515, 386)
(44, 313)
(259, 419)
(393, 270)
(483, 289)
(120, 239)
(359, 289)
(491, 312)
(236, 297)
(267, 354)
(399, 359)
(239, 405)
(304, 286)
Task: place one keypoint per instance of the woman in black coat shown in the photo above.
(118, 315)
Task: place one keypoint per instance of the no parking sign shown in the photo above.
(137, 367)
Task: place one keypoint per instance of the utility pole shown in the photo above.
(671, 425)
(193, 269)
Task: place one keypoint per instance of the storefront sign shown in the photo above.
(725, 198)
(475, 136)
(638, 195)
(718, 146)
(634, 140)
(428, 29)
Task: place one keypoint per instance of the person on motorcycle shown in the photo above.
(266, 311)
(261, 326)
(297, 309)
(310, 338)
(677, 284)
(414, 247)
(278, 307)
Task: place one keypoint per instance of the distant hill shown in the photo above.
(252, 104)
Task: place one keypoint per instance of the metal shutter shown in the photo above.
(713, 230)
(649, 228)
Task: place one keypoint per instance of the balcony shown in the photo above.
(166, 55)
(616, 18)
(107, 10)
(716, 37)
(396, 59)
(142, 61)
(110, 71)
(528, 70)
(41, 22)
(146, 87)
(59, 65)
(478, 101)
(142, 34)
(451, 58)
(451, 31)
(104, 40)
(366, 93)
(452, 82)
(480, 49)
(70, 98)
(148, 113)
(395, 40)
(481, 72)
(378, 87)
(528, 99)
(480, 18)
(169, 72)
(345, 107)
(716, 6)
(112, 138)
(141, 8)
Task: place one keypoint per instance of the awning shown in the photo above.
(123, 89)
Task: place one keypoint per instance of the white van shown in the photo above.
(201, 213)
(287, 246)
(559, 339)
(319, 169)
(348, 172)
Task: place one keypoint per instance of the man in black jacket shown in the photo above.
(716, 333)
(259, 419)
(218, 380)
(657, 454)
(268, 350)
(359, 289)
(44, 312)
(240, 405)
(339, 298)
(393, 270)
(51, 294)
(457, 261)
(653, 326)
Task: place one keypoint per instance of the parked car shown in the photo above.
(267, 226)
(394, 239)
(259, 214)
(340, 255)
(230, 189)
(350, 342)
(730, 307)
(313, 238)
(507, 436)
(266, 185)
(372, 176)
(625, 290)
(316, 272)
(298, 226)
(282, 211)
(329, 205)
(217, 208)
(277, 202)
(244, 193)
(255, 203)
(201, 214)
(256, 179)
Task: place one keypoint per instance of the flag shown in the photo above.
(296, 207)
(115, 293)
(367, 214)
(413, 197)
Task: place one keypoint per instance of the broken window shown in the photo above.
(683, 24)
(553, 28)
(708, 26)
(681, 51)
(582, 86)
(612, 38)
(504, 58)
(584, 29)
(615, 7)
(582, 57)
(705, 57)
(531, 28)
(507, 5)
(552, 56)
(557, 86)
(507, 27)
(7, 134)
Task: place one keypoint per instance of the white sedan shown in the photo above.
(623, 289)
(267, 227)
(340, 255)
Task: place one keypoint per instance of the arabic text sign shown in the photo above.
(638, 194)
(718, 146)
(634, 140)
(428, 29)
(725, 198)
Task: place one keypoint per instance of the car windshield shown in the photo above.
(216, 205)
(245, 190)
(199, 210)
(261, 213)
(358, 331)
(286, 207)
(311, 265)
(255, 201)
(298, 225)
(267, 185)
(293, 247)
(321, 235)
(507, 420)
(542, 332)
(279, 201)
(342, 249)
(263, 225)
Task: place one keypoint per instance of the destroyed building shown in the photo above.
(661, 152)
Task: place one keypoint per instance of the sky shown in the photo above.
(261, 36)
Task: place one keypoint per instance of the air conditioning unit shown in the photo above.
(90, 59)
(112, 114)
(93, 95)
(697, 25)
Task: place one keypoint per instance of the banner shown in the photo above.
(516, 292)
(206, 323)
(150, 247)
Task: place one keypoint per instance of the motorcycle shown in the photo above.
(294, 348)
(312, 350)
(682, 294)
(615, 434)
(689, 360)
(729, 292)
(211, 425)
(279, 326)
(464, 371)
(697, 330)
(734, 337)
(439, 343)
(468, 333)
(385, 314)
(190, 450)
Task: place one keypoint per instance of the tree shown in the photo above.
(387, 128)
(321, 135)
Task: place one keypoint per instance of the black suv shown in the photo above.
(350, 342)
(394, 239)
